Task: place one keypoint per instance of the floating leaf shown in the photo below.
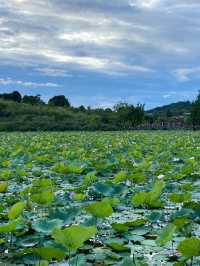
(179, 198)
(127, 262)
(42, 183)
(157, 189)
(44, 198)
(79, 196)
(3, 187)
(135, 223)
(118, 247)
(190, 247)
(109, 189)
(120, 227)
(124, 227)
(50, 253)
(139, 177)
(16, 210)
(88, 180)
(151, 198)
(179, 222)
(113, 201)
(100, 209)
(67, 216)
(79, 260)
(120, 177)
(8, 227)
(69, 168)
(46, 226)
(140, 198)
(42, 263)
(74, 236)
(166, 234)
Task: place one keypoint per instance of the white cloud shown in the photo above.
(89, 37)
(102, 36)
(53, 72)
(186, 74)
(169, 95)
(182, 95)
(145, 3)
(29, 84)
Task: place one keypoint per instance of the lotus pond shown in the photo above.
(115, 198)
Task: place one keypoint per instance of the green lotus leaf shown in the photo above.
(109, 189)
(179, 198)
(100, 209)
(190, 247)
(79, 196)
(16, 210)
(120, 177)
(44, 197)
(135, 223)
(9, 227)
(74, 236)
(138, 177)
(50, 253)
(151, 198)
(3, 187)
(166, 234)
(42, 263)
(46, 226)
(120, 227)
(70, 168)
(42, 183)
(118, 247)
(79, 260)
(67, 216)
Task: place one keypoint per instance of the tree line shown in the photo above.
(28, 112)
(15, 96)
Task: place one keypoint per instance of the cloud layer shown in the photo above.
(156, 41)
(29, 84)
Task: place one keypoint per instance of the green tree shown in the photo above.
(195, 112)
(129, 115)
(169, 113)
(32, 99)
(59, 100)
(13, 96)
(81, 108)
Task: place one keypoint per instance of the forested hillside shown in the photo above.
(31, 113)
(172, 109)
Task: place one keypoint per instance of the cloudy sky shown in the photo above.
(99, 52)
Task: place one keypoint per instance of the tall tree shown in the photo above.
(195, 113)
(32, 99)
(129, 115)
(13, 96)
(59, 100)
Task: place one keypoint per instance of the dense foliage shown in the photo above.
(195, 113)
(83, 199)
(29, 113)
(59, 100)
(173, 109)
(13, 96)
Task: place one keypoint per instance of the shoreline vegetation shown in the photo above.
(31, 113)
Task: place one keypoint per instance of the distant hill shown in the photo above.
(173, 109)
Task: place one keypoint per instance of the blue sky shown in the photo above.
(100, 52)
